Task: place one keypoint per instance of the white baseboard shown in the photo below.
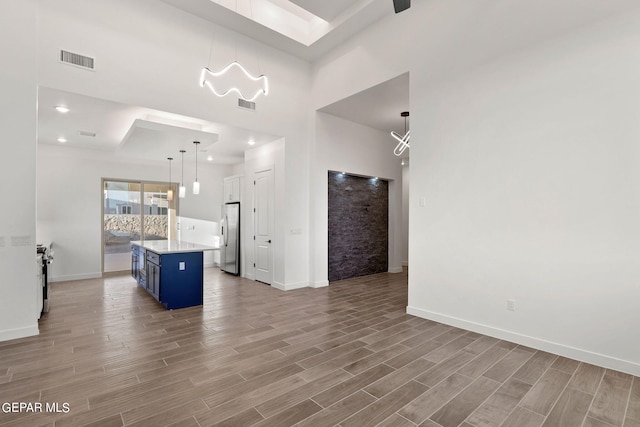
(539, 344)
(13, 334)
(395, 269)
(290, 287)
(278, 285)
(320, 284)
(75, 277)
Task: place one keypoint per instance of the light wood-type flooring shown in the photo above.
(344, 355)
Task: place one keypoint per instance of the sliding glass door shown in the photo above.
(135, 210)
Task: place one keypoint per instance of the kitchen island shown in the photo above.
(170, 270)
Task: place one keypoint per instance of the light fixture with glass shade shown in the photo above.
(196, 184)
(170, 190)
(182, 191)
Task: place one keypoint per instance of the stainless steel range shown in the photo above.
(44, 256)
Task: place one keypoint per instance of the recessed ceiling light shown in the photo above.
(61, 109)
(62, 139)
(252, 142)
(210, 158)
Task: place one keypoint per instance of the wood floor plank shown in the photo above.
(521, 417)
(495, 410)
(384, 407)
(220, 396)
(245, 418)
(633, 409)
(610, 401)
(456, 410)
(587, 378)
(447, 367)
(565, 365)
(570, 410)
(305, 391)
(545, 392)
(248, 400)
(396, 420)
(592, 422)
(428, 403)
(533, 368)
(339, 411)
(347, 354)
(508, 365)
(397, 378)
(483, 362)
(444, 352)
(172, 415)
(350, 386)
(292, 415)
(376, 358)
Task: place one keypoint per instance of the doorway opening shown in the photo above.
(134, 210)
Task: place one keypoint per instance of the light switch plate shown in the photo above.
(182, 265)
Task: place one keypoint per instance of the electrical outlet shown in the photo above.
(511, 305)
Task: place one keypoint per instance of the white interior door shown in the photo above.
(263, 225)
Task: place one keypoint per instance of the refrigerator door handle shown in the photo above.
(226, 236)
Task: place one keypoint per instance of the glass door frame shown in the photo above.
(174, 187)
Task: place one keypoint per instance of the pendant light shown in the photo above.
(209, 77)
(182, 191)
(196, 184)
(170, 190)
(403, 141)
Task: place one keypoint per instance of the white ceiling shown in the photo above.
(378, 107)
(328, 10)
(137, 132)
(294, 27)
(148, 134)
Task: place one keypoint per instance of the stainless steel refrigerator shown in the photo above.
(230, 238)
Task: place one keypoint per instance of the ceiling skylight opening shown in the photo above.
(281, 16)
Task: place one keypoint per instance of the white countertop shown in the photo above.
(172, 246)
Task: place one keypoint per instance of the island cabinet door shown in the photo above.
(153, 274)
(153, 279)
(181, 280)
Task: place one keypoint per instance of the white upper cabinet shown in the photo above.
(232, 189)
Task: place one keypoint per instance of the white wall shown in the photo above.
(70, 200)
(524, 146)
(530, 171)
(150, 54)
(345, 146)
(18, 314)
(405, 214)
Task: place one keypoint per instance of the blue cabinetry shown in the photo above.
(174, 279)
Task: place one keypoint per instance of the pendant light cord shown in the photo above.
(197, 143)
(182, 176)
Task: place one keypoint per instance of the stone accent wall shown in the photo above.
(358, 226)
(115, 227)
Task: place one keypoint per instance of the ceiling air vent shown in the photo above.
(76, 59)
(247, 105)
(87, 133)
